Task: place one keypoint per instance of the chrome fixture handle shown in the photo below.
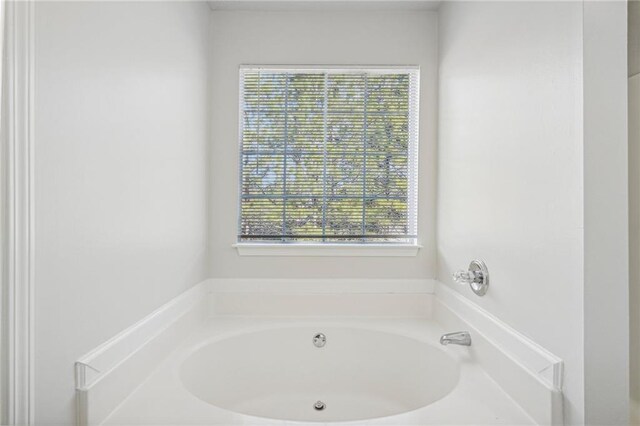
(458, 338)
(477, 276)
(467, 277)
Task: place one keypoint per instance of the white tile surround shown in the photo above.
(506, 378)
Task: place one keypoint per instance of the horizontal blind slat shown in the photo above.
(328, 156)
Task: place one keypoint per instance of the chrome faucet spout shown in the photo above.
(458, 338)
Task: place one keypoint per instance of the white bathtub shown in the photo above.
(233, 354)
(266, 371)
(280, 374)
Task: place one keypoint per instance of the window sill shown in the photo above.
(337, 250)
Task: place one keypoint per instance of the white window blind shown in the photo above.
(328, 155)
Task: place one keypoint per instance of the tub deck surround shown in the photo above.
(139, 379)
(107, 375)
(164, 400)
(531, 375)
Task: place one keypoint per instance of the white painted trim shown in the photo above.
(333, 69)
(354, 250)
(428, 5)
(18, 144)
(531, 356)
(4, 365)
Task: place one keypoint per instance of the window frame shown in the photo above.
(315, 248)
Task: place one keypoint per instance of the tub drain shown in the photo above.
(319, 406)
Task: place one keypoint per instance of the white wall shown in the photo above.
(120, 177)
(316, 37)
(510, 167)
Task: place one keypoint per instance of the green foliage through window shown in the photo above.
(328, 155)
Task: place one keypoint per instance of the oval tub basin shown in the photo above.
(280, 374)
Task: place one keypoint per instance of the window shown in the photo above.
(328, 155)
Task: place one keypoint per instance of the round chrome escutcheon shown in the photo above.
(481, 285)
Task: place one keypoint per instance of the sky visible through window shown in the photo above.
(328, 156)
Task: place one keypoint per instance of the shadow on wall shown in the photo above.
(634, 207)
